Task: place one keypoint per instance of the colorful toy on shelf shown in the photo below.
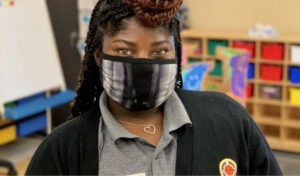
(237, 73)
(239, 66)
(193, 76)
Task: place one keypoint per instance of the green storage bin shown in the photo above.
(10, 105)
(217, 71)
(194, 60)
(213, 44)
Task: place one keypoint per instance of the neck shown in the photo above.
(120, 112)
(141, 121)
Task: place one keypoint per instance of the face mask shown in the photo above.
(137, 83)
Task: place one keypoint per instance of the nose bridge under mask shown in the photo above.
(140, 86)
(142, 76)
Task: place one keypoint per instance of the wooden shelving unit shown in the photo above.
(278, 119)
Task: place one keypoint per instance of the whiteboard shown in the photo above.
(29, 61)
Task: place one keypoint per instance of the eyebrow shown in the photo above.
(126, 42)
(160, 43)
(134, 45)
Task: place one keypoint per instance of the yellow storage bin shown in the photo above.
(295, 96)
(7, 131)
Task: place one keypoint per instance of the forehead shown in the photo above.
(134, 30)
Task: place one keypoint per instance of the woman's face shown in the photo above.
(139, 41)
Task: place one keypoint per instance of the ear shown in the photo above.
(97, 57)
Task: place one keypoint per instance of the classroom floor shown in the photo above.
(20, 152)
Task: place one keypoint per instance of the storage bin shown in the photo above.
(213, 44)
(32, 98)
(10, 105)
(35, 107)
(249, 46)
(270, 92)
(217, 71)
(251, 71)
(32, 124)
(249, 91)
(295, 96)
(295, 53)
(271, 73)
(294, 73)
(7, 131)
(272, 51)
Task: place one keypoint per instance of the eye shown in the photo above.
(160, 52)
(125, 52)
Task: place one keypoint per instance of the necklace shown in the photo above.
(149, 128)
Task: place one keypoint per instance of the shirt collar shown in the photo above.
(175, 116)
(115, 129)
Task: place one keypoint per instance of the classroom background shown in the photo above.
(249, 50)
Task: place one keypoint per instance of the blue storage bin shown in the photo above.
(251, 71)
(32, 124)
(294, 74)
(39, 105)
(32, 98)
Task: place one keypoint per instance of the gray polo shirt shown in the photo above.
(122, 153)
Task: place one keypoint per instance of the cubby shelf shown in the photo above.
(268, 102)
(274, 121)
(292, 124)
(263, 61)
(277, 116)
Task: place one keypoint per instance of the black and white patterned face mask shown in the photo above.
(138, 83)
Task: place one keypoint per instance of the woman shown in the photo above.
(128, 118)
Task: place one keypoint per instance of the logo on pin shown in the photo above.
(228, 167)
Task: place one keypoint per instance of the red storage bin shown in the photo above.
(270, 72)
(249, 91)
(272, 51)
(249, 46)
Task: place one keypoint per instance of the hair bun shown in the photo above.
(154, 12)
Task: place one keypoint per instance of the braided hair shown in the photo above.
(107, 19)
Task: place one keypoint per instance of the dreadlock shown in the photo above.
(107, 19)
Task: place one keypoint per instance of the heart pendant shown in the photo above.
(150, 129)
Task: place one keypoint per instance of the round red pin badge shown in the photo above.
(228, 167)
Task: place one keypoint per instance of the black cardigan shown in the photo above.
(221, 129)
